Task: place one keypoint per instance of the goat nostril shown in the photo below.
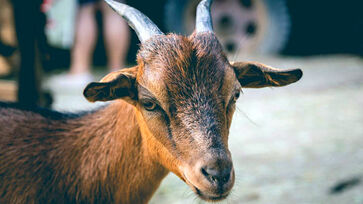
(214, 179)
(225, 178)
(204, 172)
(216, 176)
(210, 174)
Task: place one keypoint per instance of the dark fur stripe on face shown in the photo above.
(170, 133)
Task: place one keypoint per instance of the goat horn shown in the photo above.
(203, 22)
(143, 26)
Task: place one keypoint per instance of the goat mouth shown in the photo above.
(204, 196)
(210, 198)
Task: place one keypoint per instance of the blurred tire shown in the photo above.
(243, 26)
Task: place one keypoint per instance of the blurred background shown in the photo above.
(298, 144)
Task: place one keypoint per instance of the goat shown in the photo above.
(170, 113)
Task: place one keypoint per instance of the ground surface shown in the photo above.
(291, 144)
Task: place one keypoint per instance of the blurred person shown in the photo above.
(116, 35)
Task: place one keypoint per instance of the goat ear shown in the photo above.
(257, 75)
(115, 85)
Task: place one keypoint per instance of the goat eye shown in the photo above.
(149, 105)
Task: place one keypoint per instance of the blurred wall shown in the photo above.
(325, 27)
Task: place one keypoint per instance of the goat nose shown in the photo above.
(215, 175)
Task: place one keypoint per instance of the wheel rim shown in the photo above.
(239, 24)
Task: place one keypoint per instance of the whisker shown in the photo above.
(241, 42)
(246, 116)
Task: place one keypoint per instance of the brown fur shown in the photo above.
(86, 159)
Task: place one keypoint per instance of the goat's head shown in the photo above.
(184, 91)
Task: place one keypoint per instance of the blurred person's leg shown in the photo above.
(117, 37)
(28, 22)
(81, 55)
(85, 39)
